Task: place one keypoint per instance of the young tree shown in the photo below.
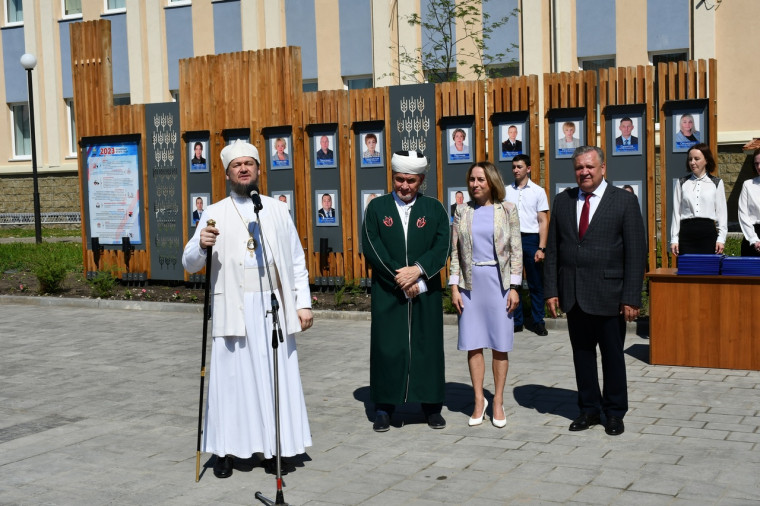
(447, 49)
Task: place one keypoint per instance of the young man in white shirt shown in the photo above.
(533, 210)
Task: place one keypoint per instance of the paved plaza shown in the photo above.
(98, 405)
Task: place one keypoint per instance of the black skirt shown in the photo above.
(697, 236)
(748, 250)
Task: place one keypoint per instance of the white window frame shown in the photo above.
(107, 10)
(177, 3)
(346, 79)
(12, 23)
(68, 16)
(12, 106)
(71, 128)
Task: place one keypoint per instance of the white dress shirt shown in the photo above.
(698, 197)
(749, 209)
(404, 210)
(530, 200)
(598, 193)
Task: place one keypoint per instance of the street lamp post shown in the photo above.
(29, 61)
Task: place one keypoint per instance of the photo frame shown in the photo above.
(459, 142)
(284, 196)
(632, 186)
(280, 152)
(627, 132)
(452, 193)
(197, 155)
(367, 196)
(688, 129)
(324, 150)
(371, 147)
(204, 199)
(512, 140)
(560, 187)
(326, 216)
(569, 134)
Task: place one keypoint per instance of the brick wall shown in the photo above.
(58, 193)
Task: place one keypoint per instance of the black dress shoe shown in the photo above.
(436, 421)
(615, 426)
(540, 329)
(518, 328)
(223, 466)
(270, 466)
(382, 422)
(585, 421)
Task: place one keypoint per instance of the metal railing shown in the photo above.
(28, 218)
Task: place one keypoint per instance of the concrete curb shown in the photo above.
(640, 327)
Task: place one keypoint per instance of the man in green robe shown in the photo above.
(405, 237)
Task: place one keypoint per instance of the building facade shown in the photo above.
(347, 44)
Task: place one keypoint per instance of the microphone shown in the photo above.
(256, 199)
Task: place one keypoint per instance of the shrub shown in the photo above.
(51, 276)
(104, 282)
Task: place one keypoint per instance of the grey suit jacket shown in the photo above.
(606, 268)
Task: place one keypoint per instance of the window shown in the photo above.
(72, 8)
(310, 85)
(178, 2)
(121, 100)
(358, 83)
(116, 5)
(504, 70)
(656, 59)
(596, 64)
(22, 138)
(71, 127)
(14, 12)
(438, 76)
(175, 95)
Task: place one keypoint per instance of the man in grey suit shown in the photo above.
(593, 271)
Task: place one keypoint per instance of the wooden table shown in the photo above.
(704, 321)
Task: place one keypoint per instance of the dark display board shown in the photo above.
(677, 145)
(626, 151)
(325, 188)
(279, 167)
(412, 126)
(164, 149)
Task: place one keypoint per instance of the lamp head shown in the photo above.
(28, 61)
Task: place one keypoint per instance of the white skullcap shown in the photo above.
(409, 162)
(236, 150)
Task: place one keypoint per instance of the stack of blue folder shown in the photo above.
(741, 266)
(691, 264)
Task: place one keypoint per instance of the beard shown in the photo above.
(244, 189)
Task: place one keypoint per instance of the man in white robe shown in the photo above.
(240, 418)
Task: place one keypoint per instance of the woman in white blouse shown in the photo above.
(749, 211)
(700, 216)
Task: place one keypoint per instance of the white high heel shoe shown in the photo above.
(500, 423)
(472, 422)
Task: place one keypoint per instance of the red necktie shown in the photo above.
(583, 225)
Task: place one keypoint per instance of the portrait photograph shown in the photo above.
(457, 195)
(324, 150)
(569, 135)
(326, 204)
(368, 195)
(198, 155)
(284, 196)
(459, 140)
(372, 149)
(279, 152)
(511, 140)
(688, 128)
(198, 204)
(627, 137)
(631, 186)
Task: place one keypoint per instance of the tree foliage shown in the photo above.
(445, 51)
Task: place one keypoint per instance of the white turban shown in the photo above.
(409, 162)
(236, 150)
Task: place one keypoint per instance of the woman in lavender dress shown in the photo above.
(486, 272)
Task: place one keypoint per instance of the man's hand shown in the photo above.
(306, 317)
(539, 256)
(630, 313)
(407, 276)
(719, 248)
(208, 236)
(553, 304)
(413, 291)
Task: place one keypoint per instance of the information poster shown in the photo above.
(113, 184)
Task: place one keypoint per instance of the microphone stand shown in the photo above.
(276, 340)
